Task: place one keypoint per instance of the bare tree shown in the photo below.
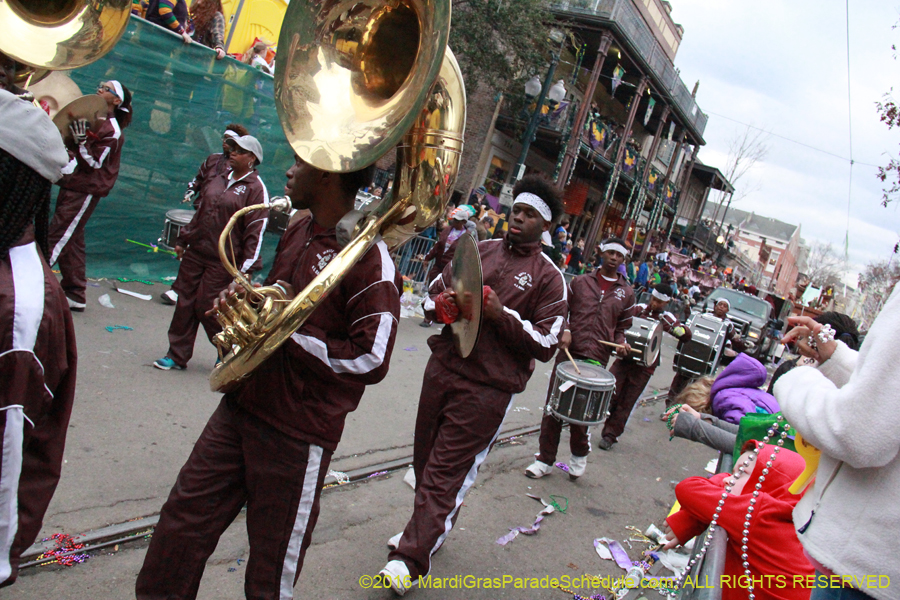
(875, 285)
(745, 149)
(824, 264)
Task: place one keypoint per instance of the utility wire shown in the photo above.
(850, 134)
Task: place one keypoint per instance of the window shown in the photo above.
(498, 173)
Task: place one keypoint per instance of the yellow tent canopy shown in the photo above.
(258, 19)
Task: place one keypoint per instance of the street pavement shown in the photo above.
(133, 426)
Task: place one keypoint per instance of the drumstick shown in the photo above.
(619, 346)
(574, 364)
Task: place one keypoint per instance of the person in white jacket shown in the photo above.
(849, 407)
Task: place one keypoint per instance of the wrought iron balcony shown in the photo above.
(624, 17)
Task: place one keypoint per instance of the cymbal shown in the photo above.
(93, 108)
(56, 91)
(467, 281)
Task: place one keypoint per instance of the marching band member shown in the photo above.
(443, 249)
(98, 154)
(211, 180)
(732, 340)
(600, 305)
(464, 401)
(201, 275)
(270, 441)
(37, 339)
(631, 376)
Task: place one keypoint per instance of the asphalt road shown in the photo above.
(133, 426)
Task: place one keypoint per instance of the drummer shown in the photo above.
(201, 275)
(211, 180)
(600, 305)
(631, 375)
(464, 400)
(732, 341)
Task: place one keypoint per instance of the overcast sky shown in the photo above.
(782, 66)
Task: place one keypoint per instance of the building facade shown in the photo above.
(622, 144)
(773, 244)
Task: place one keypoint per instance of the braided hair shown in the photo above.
(24, 199)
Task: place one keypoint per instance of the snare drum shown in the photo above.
(175, 220)
(581, 399)
(645, 335)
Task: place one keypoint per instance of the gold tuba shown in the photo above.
(54, 35)
(351, 79)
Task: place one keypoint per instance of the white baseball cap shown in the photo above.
(28, 134)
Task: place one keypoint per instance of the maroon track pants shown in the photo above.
(73, 209)
(239, 458)
(198, 284)
(551, 428)
(631, 379)
(456, 426)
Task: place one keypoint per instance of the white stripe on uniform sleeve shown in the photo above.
(249, 262)
(356, 366)
(547, 341)
(561, 276)
(90, 159)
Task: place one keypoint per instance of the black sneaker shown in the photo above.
(605, 443)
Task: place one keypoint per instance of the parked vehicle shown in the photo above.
(752, 316)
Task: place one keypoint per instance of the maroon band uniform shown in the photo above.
(270, 441)
(442, 252)
(211, 178)
(38, 360)
(599, 309)
(95, 174)
(463, 401)
(201, 275)
(632, 377)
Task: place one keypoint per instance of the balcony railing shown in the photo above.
(626, 17)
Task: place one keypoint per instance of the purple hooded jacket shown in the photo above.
(736, 392)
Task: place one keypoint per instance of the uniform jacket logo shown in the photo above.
(620, 293)
(239, 190)
(523, 280)
(324, 258)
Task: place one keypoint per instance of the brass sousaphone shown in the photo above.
(353, 77)
(58, 35)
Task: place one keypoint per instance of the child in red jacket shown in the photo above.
(776, 560)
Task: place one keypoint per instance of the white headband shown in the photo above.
(119, 92)
(660, 295)
(725, 300)
(230, 134)
(616, 247)
(536, 203)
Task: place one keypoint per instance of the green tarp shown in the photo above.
(183, 98)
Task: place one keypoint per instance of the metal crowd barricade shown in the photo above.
(709, 572)
(405, 257)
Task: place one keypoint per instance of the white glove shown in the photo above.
(79, 129)
(189, 196)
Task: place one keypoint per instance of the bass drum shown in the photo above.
(645, 339)
(701, 355)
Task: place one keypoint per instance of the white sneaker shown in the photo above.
(577, 465)
(75, 306)
(396, 573)
(537, 469)
(394, 542)
(169, 297)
